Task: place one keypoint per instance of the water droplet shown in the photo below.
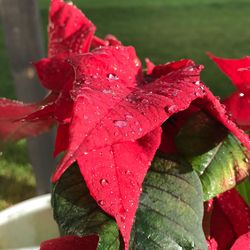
(241, 94)
(101, 202)
(128, 172)
(104, 182)
(197, 83)
(85, 153)
(120, 123)
(128, 116)
(116, 133)
(230, 180)
(137, 62)
(107, 91)
(171, 109)
(112, 77)
(246, 160)
(243, 69)
(145, 101)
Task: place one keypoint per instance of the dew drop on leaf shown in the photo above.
(107, 91)
(128, 116)
(112, 77)
(101, 202)
(241, 94)
(246, 160)
(120, 123)
(127, 172)
(116, 133)
(104, 182)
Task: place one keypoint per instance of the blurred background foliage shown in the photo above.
(163, 30)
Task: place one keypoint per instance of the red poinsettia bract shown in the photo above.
(238, 104)
(71, 242)
(109, 113)
(227, 222)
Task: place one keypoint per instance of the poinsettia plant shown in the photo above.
(148, 158)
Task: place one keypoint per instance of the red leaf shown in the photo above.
(236, 210)
(70, 31)
(242, 243)
(54, 73)
(71, 242)
(116, 177)
(13, 126)
(230, 219)
(238, 104)
(106, 111)
(221, 229)
(238, 70)
(62, 139)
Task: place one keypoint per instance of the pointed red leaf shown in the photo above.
(54, 72)
(62, 139)
(238, 104)
(106, 111)
(242, 243)
(12, 123)
(150, 66)
(70, 31)
(116, 177)
(236, 210)
(238, 70)
(71, 242)
(221, 229)
(230, 218)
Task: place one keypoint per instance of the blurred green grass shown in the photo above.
(163, 30)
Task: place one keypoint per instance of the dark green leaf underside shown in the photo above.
(220, 159)
(170, 210)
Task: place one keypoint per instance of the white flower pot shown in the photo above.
(27, 224)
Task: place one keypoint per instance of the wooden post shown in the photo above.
(24, 44)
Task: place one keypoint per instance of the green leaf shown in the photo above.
(78, 214)
(199, 134)
(220, 167)
(169, 214)
(244, 189)
(170, 210)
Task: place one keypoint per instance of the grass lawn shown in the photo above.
(162, 30)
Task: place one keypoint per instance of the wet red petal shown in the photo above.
(116, 178)
(54, 72)
(238, 105)
(236, 210)
(12, 125)
(71, 243)
(221, 229)
(238, 70)
(62, 139)
(70, 31)
(242, 243)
